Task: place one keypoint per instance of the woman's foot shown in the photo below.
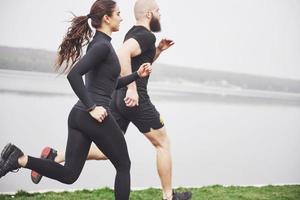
(47, 153)
(9, 159)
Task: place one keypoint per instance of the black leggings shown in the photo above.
(83, 130)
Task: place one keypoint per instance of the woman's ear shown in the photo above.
(106, 19)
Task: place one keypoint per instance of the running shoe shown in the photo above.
(181, 195)
(9, 159)
(47, 153)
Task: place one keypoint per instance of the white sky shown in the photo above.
(249, 36)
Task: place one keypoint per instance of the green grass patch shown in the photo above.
(216, 192)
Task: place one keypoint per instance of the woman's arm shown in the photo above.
(125, 80)
(94, 56)
(144, 70)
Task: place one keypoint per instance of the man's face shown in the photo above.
(155, 21)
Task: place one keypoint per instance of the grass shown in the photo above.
(217, 192)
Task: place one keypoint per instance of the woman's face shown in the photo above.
(115, 20)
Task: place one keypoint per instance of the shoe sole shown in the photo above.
(35, 176)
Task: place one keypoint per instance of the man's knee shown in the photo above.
(158, 138)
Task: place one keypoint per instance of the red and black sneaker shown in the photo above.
(47, 153)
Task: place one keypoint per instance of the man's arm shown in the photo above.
(130, 48)
(164, 44)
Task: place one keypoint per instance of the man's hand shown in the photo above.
(144, 70)
(165, 44)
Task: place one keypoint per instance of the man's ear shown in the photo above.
(149, 14)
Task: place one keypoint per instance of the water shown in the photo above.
(231, 142)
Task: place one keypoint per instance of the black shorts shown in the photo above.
(144, 116)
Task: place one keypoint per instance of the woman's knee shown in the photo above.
(124, 166)
(70, 177)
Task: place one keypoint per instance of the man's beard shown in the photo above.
(155, 25)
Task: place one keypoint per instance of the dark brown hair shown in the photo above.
(80, 33)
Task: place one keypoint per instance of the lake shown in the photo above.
(217, 137)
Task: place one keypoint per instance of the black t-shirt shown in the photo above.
(101, 68)
(146, 40)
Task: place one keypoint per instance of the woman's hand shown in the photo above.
(144, 70)
(132, 98)
(98, 113)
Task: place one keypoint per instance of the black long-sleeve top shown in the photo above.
(101, 68)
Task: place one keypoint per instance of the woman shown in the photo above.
(89, 120)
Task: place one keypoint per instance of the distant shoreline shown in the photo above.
(37, 60)
(47, 84)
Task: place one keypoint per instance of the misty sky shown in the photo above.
(249, 36)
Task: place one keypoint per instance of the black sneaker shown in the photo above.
(181, 195)
(9, 159)
(47, 153)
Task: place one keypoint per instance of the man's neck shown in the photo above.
(143, 23)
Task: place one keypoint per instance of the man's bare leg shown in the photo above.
(94, 154)
(161, 142)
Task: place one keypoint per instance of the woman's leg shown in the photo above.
(78, 145)
(76, 152)
(115, 148)
(109, 138)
